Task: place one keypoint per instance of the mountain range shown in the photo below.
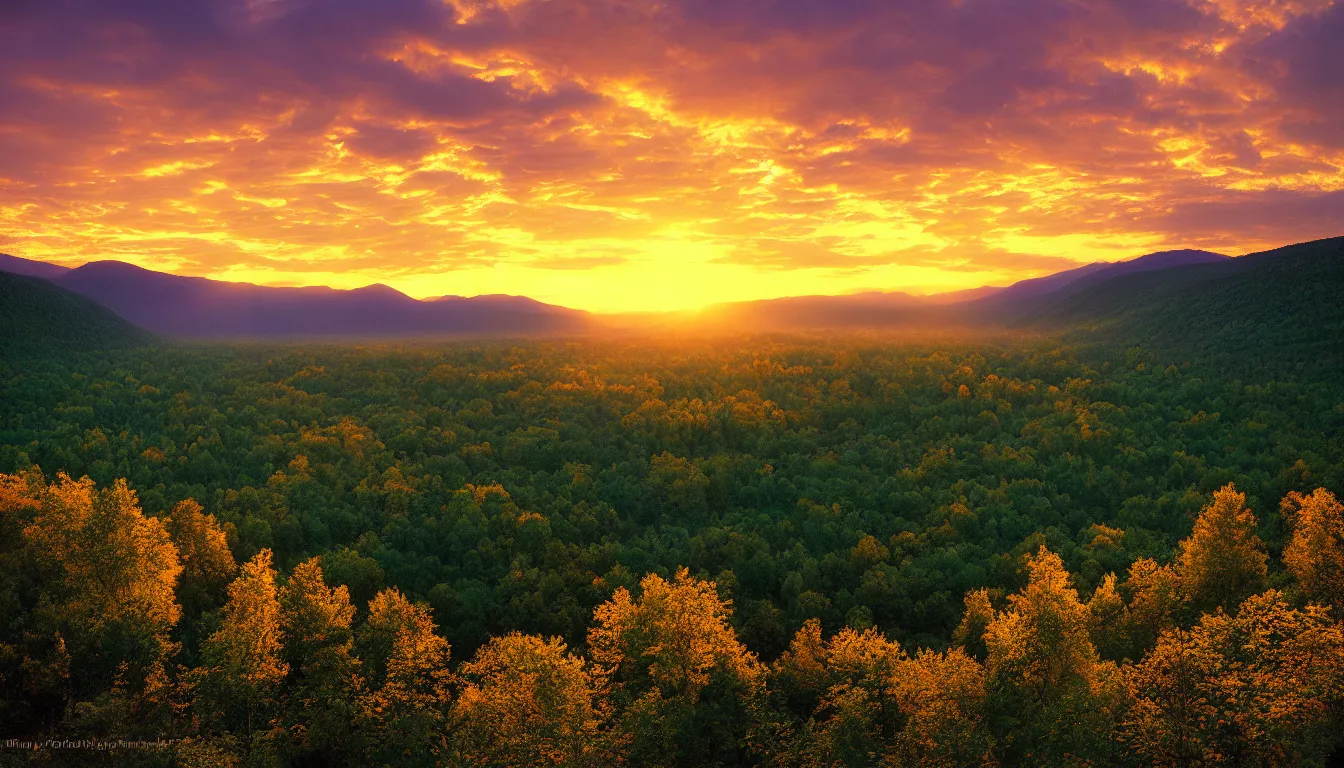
(198, 307)
(1288, 301)
(980, 306)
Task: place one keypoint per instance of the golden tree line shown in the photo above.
(1194, 663)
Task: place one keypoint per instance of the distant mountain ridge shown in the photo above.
(1184, 301)
(979, 306)
(203, 308)
(1022, 297)
(17, 266)
(1262, 311)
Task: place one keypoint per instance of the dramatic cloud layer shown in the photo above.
(645, 154)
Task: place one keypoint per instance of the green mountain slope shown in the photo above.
(38, 318)
(1262, 312)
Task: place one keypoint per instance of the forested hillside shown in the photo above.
(399, 513)
(1264, 315)
(38, 318)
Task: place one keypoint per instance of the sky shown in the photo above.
(631, 155)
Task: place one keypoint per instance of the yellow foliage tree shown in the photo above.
(319, 647)
(943, 699)
(1257, 688)
(1223, 561)
(1315, 553)
(858, 717)
(1106, 614)
(1155, 597)
(529, 702)
(680, 677)
(108, 575)
(970, 633)
(207, 563)
(243, 669)
(1049, 691)
(406, 706)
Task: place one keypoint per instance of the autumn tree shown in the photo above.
(207, 563)
(1223, 561)
(405, 706)
(1252, 689)
(324, 672)
(680, 678)
(106, 575)
(239, 683)
(943, 701)
(1315, 553)
(1155, 598)
(970, 633)
(1049, 692)
(1106, 614)
(851, 677)
(529, 702)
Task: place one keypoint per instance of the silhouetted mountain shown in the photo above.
(974, 307)
(1263, 310)
(17, 266)
(199, 307)
(39, 318)
(1024, 297)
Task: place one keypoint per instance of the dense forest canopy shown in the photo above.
(929, 551)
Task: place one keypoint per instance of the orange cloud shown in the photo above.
(616, 155)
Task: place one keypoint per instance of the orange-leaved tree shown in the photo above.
(105, 576)
(851, 680)
(324, 672)
(1258, 688)
(1049, 693)
(405, 708)
(529, 702)
(1315, 553)
(682, 681)
(1223, 561)
(238, 687)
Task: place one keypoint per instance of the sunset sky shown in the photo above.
(619, 155)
